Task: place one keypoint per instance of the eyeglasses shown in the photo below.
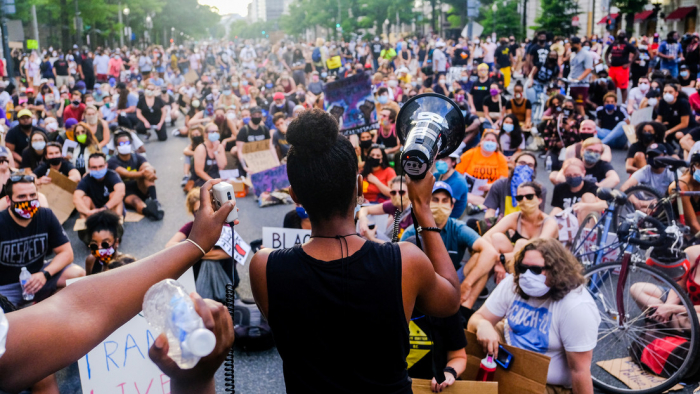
(528, 196)
(523, 163)
(522, 268)
(22, 177)
(399, 192)
(213, 131)
(104, 245)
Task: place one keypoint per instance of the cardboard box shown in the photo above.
(421, 386)
(527, 373)
(240, 189)
(59, 194)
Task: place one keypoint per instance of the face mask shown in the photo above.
(75, 102)
(82, 138)
(91, 119)
(574, 181)
(383, 99)
(696, 176)
(508, 127)
(26, 126)
(230, 116)
(441, 82)
(256, 120)
(647, 137)
(551, 60)
(464, 78)
(644, 87)
(684, 74)
(98, 174)
(653, 101)
(567, 112)
(591, 157)
(489, 146)
(25, 209)
(234, 84)
(533, 285)
(441, 212)
(365, 144)
(104, 255)
(55, 161)
(372, 162)
(39, 145)
(213, 137)
(324, 75)
(195, 103)
(529, 207)
(609, 107)
(244, 83)
(393, 83)
(149, 93)
(441, 167)
(269, 85)
(668, 97)
(124, 149)
(227, 92)
(196, 140)
(494, 92)
(302, 213)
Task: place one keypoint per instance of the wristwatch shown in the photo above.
(47, 275)
(450, 370)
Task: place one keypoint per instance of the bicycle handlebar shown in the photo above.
(648, 244)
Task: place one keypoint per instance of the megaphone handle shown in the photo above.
(415, 225)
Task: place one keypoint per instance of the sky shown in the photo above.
(228, 6)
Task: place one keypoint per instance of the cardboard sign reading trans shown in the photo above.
(282, 238)
(120, 364)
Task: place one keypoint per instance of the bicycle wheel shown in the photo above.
(587, 240)
(647, 200)
(623, 344)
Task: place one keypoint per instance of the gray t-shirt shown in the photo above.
(496, 197)
(659, 182)
(580, 63)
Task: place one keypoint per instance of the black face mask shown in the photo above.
(542, 41)
(55, 161)
(198, 140)
(558, 109)
(255, 120)
(365, 144)
(371, 162)
(26, 126)
(567, 111)
(647, 138)
(551, 60)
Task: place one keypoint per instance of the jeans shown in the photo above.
(672, 68)
(533, 95)
(615, 138)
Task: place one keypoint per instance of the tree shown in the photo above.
(507, 19)
(556, 17)
(629, 8)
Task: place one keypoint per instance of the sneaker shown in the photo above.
(484, 294)
(153, 209)
(473, 209)
(184, 180)
(176, 133)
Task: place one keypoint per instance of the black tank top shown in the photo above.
(340, 326)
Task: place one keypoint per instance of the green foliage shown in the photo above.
(629, 8)
(508, 20)
(556, 16)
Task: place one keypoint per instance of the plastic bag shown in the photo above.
(212, 280)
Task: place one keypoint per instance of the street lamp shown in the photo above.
(127, 31)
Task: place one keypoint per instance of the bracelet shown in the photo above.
(420, 229)
(47, 274)
(450, 370)
(195, 244)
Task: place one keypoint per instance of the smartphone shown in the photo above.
(504, 357)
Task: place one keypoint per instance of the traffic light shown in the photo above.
(610, 24)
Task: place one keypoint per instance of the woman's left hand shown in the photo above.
(437, 388)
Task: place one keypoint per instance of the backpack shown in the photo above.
(316, 55)
(252, 331)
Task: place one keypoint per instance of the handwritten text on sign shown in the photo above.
(281, 238)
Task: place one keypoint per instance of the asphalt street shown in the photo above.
(259, 372)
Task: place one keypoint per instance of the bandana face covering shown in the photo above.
(521, 174)
(104, 255)
(25, 209)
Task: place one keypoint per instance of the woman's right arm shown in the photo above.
(482, 323)
(72, 326)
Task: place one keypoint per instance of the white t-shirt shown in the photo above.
(102, 64)
(635, 97)
(546, 326)
(489, 51)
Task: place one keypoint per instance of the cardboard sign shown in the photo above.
(351, 102)
(258, 156)
(422, 386)
(59, 194)
(270, 180)
(68, 148)
(527, 373)
(282, 238)
(120, 364)
(631, 374)
(228, 174)
(239, 251)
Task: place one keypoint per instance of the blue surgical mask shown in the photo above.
(489, 146)
(213, 137)
(302, 213)
(98, 174)
(269, 85)
(324, 74)
(383, 99)
(609, 107)
(696, 176)
(246, 120)
(464, 113)
(508, 127)
(441, 167)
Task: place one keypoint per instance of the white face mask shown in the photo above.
(124, 149)
(644, 87)
(533, 285)
(652, 102)
(668, 97)
(51, 127)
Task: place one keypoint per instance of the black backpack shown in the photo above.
(252, 331)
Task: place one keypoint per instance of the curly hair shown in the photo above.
(659, 131)
(564, 273)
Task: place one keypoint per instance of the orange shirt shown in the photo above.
(371, 191)
(475, 164)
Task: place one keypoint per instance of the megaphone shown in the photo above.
(429, 126)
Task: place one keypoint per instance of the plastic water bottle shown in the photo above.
(487, 368)
(24, 277)
(168, 308)
(548, 163)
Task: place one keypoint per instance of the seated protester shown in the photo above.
(87, 145)
(653, 96)
(653, 175)
(137, 146)
(553, 107)
(675, 113)
(33, 155)
(279, 135)
(216, 254)
(597, 169)
(150, 113)
(6, 169)
(597, 91)
(648, 133)
(689, 181)
(457, 237)
(103, 236)
(195, 136)
(520, 107)
(54, 161)
(562, 132)
(472, 135)
(494, 107)
(25, 220)
(209, 157)
(17, 138)
(227, 128)
(376, 175)
(281, 104)
(102, 189)
(108, 111)
(386, 135)
(684, 77)
(75, 109)
(255, 130)
(139, 178)
(576, 193)
(483, 162)
(399, 203)
(587, 130)
(499, 201)
(637, 95)
(298, 218)
(611, 118)
(547, 280)
(445, 171)
(99, 127)
(511, 138)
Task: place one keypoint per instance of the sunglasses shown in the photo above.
(399, 192)
(522, 268)
(25, 178)
(104, 245)
(528, 196)
(213, 131)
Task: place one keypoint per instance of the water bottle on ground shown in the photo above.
(24, 277)
(168, 308)
(548, 163)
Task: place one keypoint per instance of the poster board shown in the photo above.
(351, 103)
(258, 156)
(422, 386)
(631, 374)
(282, 238)
(59, 194)
(270, 180)
(239, 250)
(120, 363)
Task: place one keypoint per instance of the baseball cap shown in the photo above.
(4, 152)
(30, 90)
(454, 155)
(575, 40)
(440, 44)
(24, 112)
(80, 84)
(659, 149)
(278, 96)
(70, 122)
(440, 185)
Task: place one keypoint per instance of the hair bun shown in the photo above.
(312, 132)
